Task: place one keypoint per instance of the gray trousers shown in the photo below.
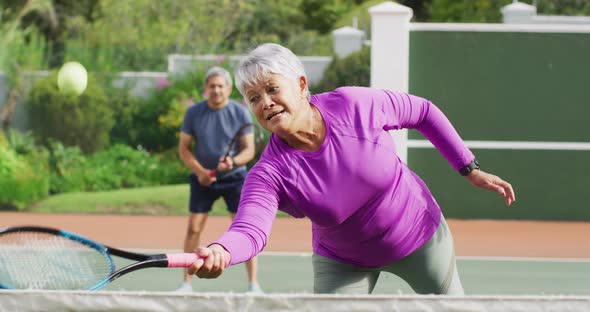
(431, 269)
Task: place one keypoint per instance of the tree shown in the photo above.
(321, 15)
(265, 21)
(466, 11)
(488, 11)
(13, 60)
(563, 7)
(54, 26)
(139, 34)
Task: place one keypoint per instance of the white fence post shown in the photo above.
(347, 40)
(518, 13)
(390, 46)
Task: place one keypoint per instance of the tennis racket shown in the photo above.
(258, 143)
(34, 257)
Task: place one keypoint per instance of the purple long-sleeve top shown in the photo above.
(366, 206)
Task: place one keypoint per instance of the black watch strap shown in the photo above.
(470, 167)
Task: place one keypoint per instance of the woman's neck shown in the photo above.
(311, 133)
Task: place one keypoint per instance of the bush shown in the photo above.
(119, 166)
(67, 168)
(353, 70)
(160, 117)
(125, 108)
(171, 169)
(83, 121)
(24, 179)
(155, 136)
(3, 140)
(22, 143)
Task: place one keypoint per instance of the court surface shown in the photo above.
(494, 257)
(292, 273)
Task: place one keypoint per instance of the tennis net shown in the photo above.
(47, 300)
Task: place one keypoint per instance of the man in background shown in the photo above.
(211, 124)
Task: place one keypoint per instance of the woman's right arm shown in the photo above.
(249, 231)
(211, 263)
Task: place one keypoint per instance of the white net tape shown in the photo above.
(29, 300)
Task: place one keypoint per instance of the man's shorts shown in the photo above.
(202, 197)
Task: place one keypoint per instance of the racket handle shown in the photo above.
(181, 260)
(212, 173)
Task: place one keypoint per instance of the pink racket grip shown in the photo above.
(212, 173)
(181, 260)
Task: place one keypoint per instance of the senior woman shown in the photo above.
(330, 158)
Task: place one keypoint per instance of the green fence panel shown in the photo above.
(549, 185)
(506, 86)
(503, 86)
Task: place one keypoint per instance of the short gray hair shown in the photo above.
(219, 71)
(267, 59)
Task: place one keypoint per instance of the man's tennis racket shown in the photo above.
(258, 142)
(33, 257)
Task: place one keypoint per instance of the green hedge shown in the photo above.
(84, 121)
(353, 70)
(23, 179)
(116, 167)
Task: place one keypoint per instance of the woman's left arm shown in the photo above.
(493, 183)
(413, 112)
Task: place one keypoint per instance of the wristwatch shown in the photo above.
(233, 161)
(470, 167)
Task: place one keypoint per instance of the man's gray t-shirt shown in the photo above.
(213, 131)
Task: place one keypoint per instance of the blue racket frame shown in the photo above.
(144, 261)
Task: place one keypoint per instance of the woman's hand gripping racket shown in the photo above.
(33, 257)
(244, 129)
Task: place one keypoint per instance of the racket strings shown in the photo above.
(31, 260)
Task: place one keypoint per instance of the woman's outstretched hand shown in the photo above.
(493, 183)
(211, 263)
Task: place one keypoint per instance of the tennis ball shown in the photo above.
(72, 78)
